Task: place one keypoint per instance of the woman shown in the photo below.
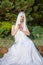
(24, 51)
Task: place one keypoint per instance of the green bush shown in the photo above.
(5, 29)
(37, 31)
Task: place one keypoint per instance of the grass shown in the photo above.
(38, 41)
(6, 42)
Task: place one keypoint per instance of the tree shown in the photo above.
(10, 7)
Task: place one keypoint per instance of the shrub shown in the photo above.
(37, 31)
(5, 29)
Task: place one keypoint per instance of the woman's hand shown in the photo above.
(26, 32)
(20, 26)
(21, 29)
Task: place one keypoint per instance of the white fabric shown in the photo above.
(23, 52)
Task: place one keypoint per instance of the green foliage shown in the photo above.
(37, 31)
(34, 10)
(1, 55)
(23, 4)
(37, 13)
(7, 5)
(8, 8)
(5, 29)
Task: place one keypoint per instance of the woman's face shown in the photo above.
(21, 19)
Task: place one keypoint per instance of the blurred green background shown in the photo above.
(9, 10)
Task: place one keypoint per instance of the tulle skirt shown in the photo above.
(23, 52)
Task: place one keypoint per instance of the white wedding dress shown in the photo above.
(22, 52)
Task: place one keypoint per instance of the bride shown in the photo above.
(23, 51)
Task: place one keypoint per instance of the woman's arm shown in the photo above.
(26, 32)
(13, 30)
